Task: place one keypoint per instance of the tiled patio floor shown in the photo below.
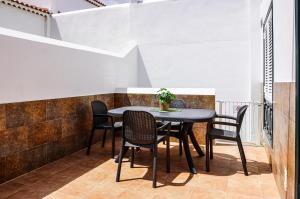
(93, 177)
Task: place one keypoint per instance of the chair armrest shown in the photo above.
(226, 116)
(101, 115)
(105, 116)
(224, 123)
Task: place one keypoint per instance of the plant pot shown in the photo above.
(164, 106)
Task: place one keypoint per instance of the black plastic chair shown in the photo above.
(215, 133)
(101, 120)
(140, 130)
(177, 126)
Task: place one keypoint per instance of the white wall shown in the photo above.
(256, 36)
(195, 43)
(256, 53)
(188, 43)
(104, 28)
(17, 19)
(283, 19)
(183, 43)
(34, 68)
(283, 40)
(112, 2)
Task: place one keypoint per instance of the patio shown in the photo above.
(214, 55)
(93, 177)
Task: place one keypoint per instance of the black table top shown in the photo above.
(184, 115)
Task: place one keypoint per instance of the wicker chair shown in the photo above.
(140, 130)
(101, 120)
(177, 126)
(214, 133)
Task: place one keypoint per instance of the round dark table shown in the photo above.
(187, 116)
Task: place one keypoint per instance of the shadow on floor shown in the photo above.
(223, 164)
(81, 170)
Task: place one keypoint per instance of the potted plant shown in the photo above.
(164, 97)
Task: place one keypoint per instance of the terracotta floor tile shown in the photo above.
(59, 195)
(212, 194)
(78, 176)
(26, 194)
(10, 188)
(270, 192)
(241, 196)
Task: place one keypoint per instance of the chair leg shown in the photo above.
(103, 138)
(113, 142)
(132, 158)
(243, 157)
(120, 163)
(180, 147)
(90, 142)
(154, 167)
(168, 153)
(211, 153)
(207, 152)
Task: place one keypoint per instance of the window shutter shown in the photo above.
(268, 58)
(268, 75)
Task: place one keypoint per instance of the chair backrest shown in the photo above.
(178, 103)
(240, 116)
(139, 128)
(99, 107)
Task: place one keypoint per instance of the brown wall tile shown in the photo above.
(61, 108)
(44, 132)
(16, 164)
(2, 117)
(282, 154)
(54, 151)
(53, 110)
(54, 128)
(119, 100)
(282, 97)
(15, 115)
(293, 101)
(37, 135)
(25, 113)
(192, 101)
(35, 112)
(291, 160)
(2, 171)
(280, 151)
(13, 140)
(70, 126)
(36, 157)
(68, 144)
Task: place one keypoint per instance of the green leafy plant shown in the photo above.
(165, 96)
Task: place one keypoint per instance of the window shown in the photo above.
(268, 74)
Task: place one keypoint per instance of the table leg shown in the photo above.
(124, 152)
(184, 137)
(195, 142)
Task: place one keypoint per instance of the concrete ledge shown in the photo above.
(176, 91)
